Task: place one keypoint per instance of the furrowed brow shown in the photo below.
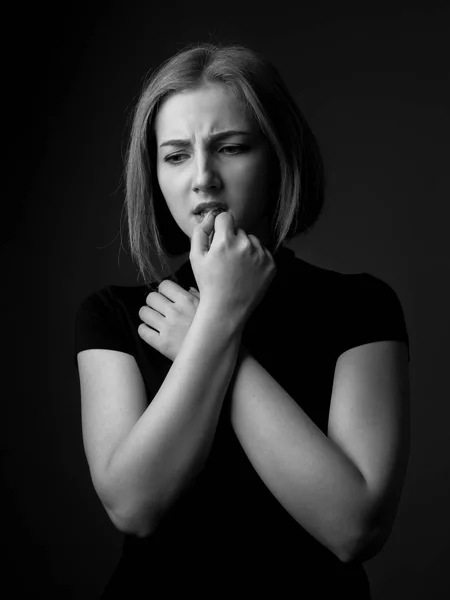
(210, 138)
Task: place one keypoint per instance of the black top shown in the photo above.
(229, 534)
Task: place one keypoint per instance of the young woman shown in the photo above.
(245, 419)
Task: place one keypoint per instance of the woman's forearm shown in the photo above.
(169, 444)
(309, 475)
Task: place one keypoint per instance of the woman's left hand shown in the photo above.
(167, 316)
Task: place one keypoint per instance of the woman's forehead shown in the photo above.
(207, 109)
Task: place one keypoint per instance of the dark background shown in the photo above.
(372, 80)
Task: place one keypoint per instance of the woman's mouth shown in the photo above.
(200, 216)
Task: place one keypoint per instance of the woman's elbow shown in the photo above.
(126, 514)
(132, 522)
(367, 546)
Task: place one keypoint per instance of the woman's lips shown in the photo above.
(216, 211)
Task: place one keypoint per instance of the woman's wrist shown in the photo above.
(218, 317)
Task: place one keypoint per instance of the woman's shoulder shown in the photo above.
(110, 296)
(301, 269)
(337, 286)
(331, 276)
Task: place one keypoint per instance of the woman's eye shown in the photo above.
(227, 150)
(173, 158)
(230, 150)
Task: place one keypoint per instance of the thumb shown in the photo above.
(202, 231)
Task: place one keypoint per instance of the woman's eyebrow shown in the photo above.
(209, 138)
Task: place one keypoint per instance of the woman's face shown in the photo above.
(195, 165)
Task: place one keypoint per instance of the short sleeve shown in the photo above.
(372, 313)
(98, 324)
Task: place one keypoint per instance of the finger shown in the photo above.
(149, 335)
(194, 291)
(171, 290)
(244, 241)
(224, 226)
(201, 232)
(158, 302)
(255, 241)
(151, 318)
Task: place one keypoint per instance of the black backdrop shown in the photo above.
(372, 80)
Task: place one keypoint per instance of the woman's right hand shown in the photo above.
(234, 272)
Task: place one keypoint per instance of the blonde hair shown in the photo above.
(300, 171)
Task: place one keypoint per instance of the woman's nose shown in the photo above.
(206, 175)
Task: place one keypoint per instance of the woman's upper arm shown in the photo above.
(370, 418)
(113, 398)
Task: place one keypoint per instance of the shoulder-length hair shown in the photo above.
(300, 178)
